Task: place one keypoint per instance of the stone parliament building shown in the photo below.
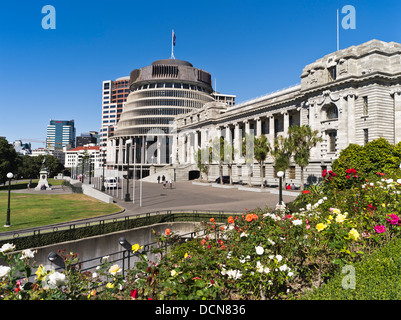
(350, 96)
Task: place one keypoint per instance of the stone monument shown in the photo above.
(43, 184)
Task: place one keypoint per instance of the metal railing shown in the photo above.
(91, 227)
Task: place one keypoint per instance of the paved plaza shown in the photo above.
(185, 195)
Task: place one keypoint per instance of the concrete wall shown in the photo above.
(92, 192)
(104, 245)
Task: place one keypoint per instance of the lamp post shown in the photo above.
(104, 164)
(9, 176)
(280, 204)
(127, 143)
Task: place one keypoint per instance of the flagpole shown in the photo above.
(172, 45)
(338, 32)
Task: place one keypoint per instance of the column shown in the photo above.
(258, 127)
(237, 142)
(351, 118)
(397, 115)
(342, 134)
(120, 150)
(286, 117)
(271, 128)
(196, 142)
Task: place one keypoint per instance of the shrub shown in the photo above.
(376, 278)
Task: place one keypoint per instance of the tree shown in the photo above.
(261, 150)
(29, 167)
(218, 154)
(302, 140)
(9, 159)
(203, 160)
(281, 153)
(248, 151)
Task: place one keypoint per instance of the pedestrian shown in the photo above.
(158, 179)
(29, 186)
(171, 183)
(164, 184)
(163, 178)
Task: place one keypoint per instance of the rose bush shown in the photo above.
(261, 254)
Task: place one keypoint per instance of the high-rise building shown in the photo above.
(114, 96)
(60, 133)
(87, 138)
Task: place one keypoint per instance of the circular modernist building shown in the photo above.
(158, 93)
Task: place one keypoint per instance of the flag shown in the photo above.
(173, 38)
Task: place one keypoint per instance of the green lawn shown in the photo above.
(18, 185)
(32, 210)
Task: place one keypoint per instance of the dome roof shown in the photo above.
(172, 62)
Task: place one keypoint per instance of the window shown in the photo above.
(332, 141)
(365, 136)
(365, 106)
(332, 112)
(332, 73)
(292, 172)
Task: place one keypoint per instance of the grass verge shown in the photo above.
(34, 210)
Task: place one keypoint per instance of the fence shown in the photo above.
(87, 228)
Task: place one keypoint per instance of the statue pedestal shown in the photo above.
(43, 181)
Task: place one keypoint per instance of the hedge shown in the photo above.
(378, 277)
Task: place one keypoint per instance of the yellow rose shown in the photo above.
(340, 218)
(114, 269)
(336, 211)
(110, 285)
(136, 247)
(353, 234)
(330, 217)
(321, 226)
(41, 272)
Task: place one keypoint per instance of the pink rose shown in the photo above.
(380, 229)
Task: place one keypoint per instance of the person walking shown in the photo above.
(158, 179)
(171, 183)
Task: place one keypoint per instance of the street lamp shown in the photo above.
(127, 143)
(9, 176)
(280, 204)
(104, 164)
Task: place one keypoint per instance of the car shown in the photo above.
(226, 179)
(110, 183)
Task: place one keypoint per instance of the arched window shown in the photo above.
(332, 112)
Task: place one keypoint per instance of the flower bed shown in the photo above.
(261, 254)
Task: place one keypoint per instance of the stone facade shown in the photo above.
(350, 96)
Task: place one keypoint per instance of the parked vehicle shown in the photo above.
(110, 183)
(226, 179)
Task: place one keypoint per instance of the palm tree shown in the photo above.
(281, 153)
(261, 150)
(204, 159)
(303, 139)
(248, 152)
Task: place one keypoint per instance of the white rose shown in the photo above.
(283, 267)
(27, 254)
(297, 222)
(56, 279)
(7, 247)
(4, 271)
(279, 257)
(259, 250)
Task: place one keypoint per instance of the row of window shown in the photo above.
(167, 102)
(175, 85)
(149, 121)
(157, 112)
(171, 93)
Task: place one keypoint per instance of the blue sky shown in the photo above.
(250, 47)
